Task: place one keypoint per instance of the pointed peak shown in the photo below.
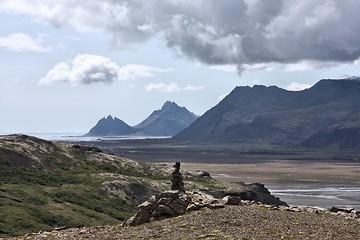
(169, 104)
(109, 117)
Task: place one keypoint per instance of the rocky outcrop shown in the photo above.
(252, 192)
(176, 202)
(171, 203)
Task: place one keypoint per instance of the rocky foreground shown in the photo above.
(247, 220)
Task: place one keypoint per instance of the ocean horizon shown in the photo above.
(79, 136)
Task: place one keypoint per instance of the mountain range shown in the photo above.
(326, 114)
(168, 121)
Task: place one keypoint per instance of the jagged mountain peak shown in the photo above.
(110, 126)
(169, 104)
(109, 117)
(168, 121)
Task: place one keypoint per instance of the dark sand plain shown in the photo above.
(299, 176)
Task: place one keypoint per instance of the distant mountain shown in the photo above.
(110, 126)
(274, 114)
(168, 121)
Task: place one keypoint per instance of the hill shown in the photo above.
(276, 115)
(110, 126)
(168, 121)
(45, 185)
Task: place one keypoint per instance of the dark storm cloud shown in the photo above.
(239, 32)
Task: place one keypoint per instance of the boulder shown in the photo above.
(232, 200)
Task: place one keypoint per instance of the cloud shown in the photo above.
(190, 87)
(20, 42)
(133, 71)
(225, 68)
(171, 87)
(87, 69)
(306, 65)
(242, 33)
(162, 87)
(295, 86)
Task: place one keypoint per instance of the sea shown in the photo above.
(79, 137)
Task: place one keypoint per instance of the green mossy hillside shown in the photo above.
(46, 185)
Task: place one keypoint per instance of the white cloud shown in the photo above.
(190, 87)
(20, 42)
(88, 69)
(307, 65)
(171, 87)
(225, 68)
(295, 86)
(162, 87)
(133, 71)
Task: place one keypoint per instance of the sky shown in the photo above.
(64, 64)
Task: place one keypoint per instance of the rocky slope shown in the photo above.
(245, 221)
(168, 121)
(45, 185)
(276, 115)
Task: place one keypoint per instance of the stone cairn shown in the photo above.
(172, 203)
(177, 179)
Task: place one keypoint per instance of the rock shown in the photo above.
(172, 194)
(202, 199)
(345, 210)
(202, 174)
(215, 205)
(231, 200)
(171, 203)
(163, 211)
(142, 216)
(147, 205)
(252, 192)
(162, 205)
(192, 207)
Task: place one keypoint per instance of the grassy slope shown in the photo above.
(46, 185)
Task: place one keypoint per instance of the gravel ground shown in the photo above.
(232, 222)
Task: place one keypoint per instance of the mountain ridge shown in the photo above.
(168, 121)
(273, 114)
